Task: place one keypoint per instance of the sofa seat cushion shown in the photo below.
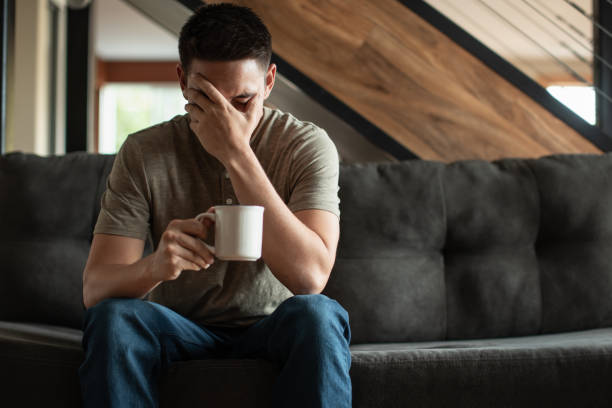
(41, 334)
(562, 370)
(48, 358)
(40, 365)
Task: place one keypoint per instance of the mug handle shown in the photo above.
(213, 218)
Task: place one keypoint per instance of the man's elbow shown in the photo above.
(88, 297)
(86, 301)
(315, 283)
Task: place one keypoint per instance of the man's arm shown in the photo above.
(125, 277)
(115, 267)
(299, 248)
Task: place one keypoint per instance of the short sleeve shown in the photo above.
(314, 174)
(125, 206)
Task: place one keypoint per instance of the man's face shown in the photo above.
(238, 81)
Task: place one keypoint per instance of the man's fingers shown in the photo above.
(197, 98)
(194, 110)
(190, 234)
(191, 258)
(196, 246)
(191, 227)
(252, 107)
(208, 88)
(185, 265)
(207, 221)
(195, 115)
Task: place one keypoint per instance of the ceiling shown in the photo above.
(521, 31)
(123, 33)
(544, 38)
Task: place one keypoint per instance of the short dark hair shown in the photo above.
(224, 32)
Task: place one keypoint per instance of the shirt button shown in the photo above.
(229, 201)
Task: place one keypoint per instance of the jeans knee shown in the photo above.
(116, 321)
(316, 314)
(109, 311)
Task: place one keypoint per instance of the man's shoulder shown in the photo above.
(282, 122)
(284, 128)
(295, 144)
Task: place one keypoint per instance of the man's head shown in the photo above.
(224, 32)
(231, 47)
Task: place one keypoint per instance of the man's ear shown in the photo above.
(182, 76)
(270, 77)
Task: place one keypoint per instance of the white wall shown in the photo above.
(27, 121)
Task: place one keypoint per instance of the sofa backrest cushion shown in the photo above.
(428, 251)
(48, 208)
(475, 249)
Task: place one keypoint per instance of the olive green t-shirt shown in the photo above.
(163, 173)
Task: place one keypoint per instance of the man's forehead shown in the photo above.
(232, 78)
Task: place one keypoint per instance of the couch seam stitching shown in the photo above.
(535, 252)
(510, 359)
(445, 215)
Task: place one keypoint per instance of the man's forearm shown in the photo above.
(105, 281)
(295, 254)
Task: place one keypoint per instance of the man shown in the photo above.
(181, 303)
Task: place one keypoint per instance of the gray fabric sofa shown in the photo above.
(470, 284)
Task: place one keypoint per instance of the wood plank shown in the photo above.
(137, 71)
(412, 81)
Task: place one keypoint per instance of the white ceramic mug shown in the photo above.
(238, 232)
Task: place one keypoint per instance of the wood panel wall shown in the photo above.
(413, 82)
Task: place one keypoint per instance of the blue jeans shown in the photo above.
(129, 343)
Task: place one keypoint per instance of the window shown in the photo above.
(580, 99)
(128, 107)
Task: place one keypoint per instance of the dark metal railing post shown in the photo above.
(602, 75)
(77, 77)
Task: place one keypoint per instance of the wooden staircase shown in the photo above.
(412, 81)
